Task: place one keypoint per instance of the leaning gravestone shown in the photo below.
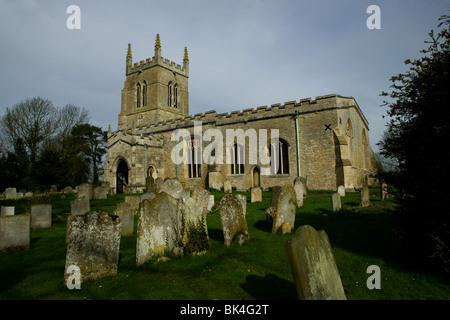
(233, 221)
(159, 228)
(364, 197)
(93, 245)
(284, 206)
(7, 211)
(173, 187)
(126, 215)
(313, 267)
(85, 191)
(15, 232)
(41, 216)
(299, 191)
(303, 181)
(336, 202)
(341, 191)
(10, 193)
(256, 194)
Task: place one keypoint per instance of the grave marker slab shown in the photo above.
(341, 191)
(313, 267)
(79, 206)
(7, 211)
(133, 201)
(173, 187)
(15, 232)
(232, 218)
(93, 245)
(256, 194)
(335, 202)
(126, 215)
(299, 189)
(100, 193)
(10, 193)
(284, 207)
(364, 197)
(41, 216)
(202, 197)
(85, 191)
(227, 188)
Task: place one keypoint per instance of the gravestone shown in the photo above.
(364, 197)
(211, 202)
(7, 211)
(202, 197)
(335, 202)
(133, 201)
(150, 184)
(29, 194)
(299, 192)
(158, 184)
(15, 232)
(215, 180)
(186, 194)
(256, 194)
(10, 193)
(195, 233)
(173, 187)
(383, 191)
(146, 196)
(79, 207)
(54, 188)
(243, 199)
(227, 186)
(19, 194)
(93, 245)
(284, 203)
(41, 216)
(100, 193)
(303, 181)
(159, 228)
(85, 191)
(313, 267)
(341, 191)
(233, 221)
(126, 215)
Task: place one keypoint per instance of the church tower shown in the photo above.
(154, 90)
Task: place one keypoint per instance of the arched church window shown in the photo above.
(175, 96)
(279, 157)
(169, 94)
(195, 160)
(138, 95)
(144, 94)
(237, 159)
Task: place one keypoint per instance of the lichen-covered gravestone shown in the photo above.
(79, 206)
(284, 203)
(233, 221)
(133, 201)
(173, 187)
(313, 267)
(15, 232)
(41, 216)
(256, 194)
(159, 228)
(364, 197)
(85, 191)
(126, 215)
(93, 245)
(202, 197)
(195, 230)
(100, 192)
(299, 191)
(227, 186)
(158, 184)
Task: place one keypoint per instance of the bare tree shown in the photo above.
(69, 117)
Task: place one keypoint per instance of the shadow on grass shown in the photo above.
(269, 287)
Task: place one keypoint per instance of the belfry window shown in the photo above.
(169, 94)
(237, 159)
(175, 95)
(279, 157)
(195, 160)
(138, 95)
(144, 94)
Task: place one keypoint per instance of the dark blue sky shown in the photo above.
(243, 54)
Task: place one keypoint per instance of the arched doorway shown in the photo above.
(121, 176)
(256, 177)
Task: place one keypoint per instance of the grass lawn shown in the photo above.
(259, 269)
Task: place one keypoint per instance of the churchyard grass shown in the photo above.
(259, 269)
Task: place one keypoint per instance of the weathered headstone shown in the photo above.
(150, 184)
(15, 232)
(85, 191)
(383, 191)
(299, 192)
(173, 187)
(186, 194)
(284, 206)
(341, 191)
(100, 193)
(233, 221)
(126, 215)
(256, 194)
(364, 197)
(133, 201)
(41, 216)
(146, 196)
(243, 199)
(79, 207)
(93, 245)
(211, 202)
(335, 202)
(215, 180)
(159, 228)
(7, 211)
(202, 197)
(227, 186)
(303, 181)
(195, 233)
(313, 267)
(10, 193)
(158, 184)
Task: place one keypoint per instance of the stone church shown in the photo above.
(325, 140)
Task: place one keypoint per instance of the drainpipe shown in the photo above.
(298, 141)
